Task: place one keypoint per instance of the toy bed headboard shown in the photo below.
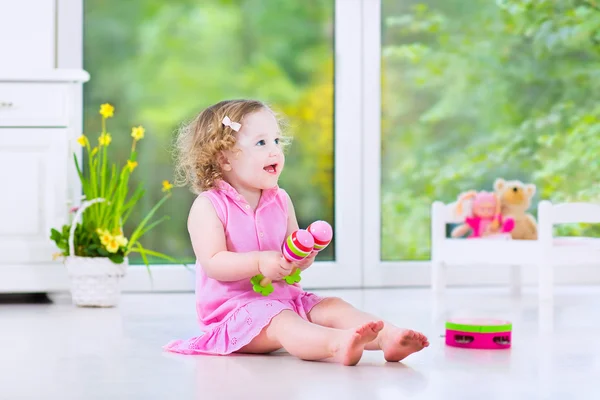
(564, 213)
(446, 213)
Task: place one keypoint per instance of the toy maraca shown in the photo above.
(297, 247)
(322, 234)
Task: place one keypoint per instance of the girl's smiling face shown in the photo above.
(257, 159)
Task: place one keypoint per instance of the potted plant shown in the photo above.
(94, 245)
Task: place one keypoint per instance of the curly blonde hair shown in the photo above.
(200, 141)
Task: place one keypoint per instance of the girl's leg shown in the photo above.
(395, 342)
(309, 341)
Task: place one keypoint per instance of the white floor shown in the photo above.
(57, 351)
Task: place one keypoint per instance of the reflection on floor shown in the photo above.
(57, 351)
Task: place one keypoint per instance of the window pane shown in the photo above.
(159, 63)
(476, 89)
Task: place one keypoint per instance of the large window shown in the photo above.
(160, 62)
(473, 90)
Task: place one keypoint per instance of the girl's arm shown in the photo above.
(208, 240)
(292, 222)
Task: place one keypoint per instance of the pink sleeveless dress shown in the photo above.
(231, 314)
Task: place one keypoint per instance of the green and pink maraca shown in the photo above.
(298, 245)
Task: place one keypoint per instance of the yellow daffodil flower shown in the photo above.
(121, 240)
(82, 140)
(105, 238)
(131, 165)
(137, 132)
(107, 110)
(167, 186)
(105, 139)
(112, 246)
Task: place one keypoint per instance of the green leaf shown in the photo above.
(156, 254)
(103, 171)
(110, 193)
(143, 255)
(152, 226)
(83, 180)
(55, 235)
(117, 258)
(128, 207)
(121, 193)
(93, 192)
(142, 252)
(136, 233)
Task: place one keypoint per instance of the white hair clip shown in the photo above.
(233, 125)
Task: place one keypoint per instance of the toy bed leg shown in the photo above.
(438, 276)
(515, 280)
(546, 280)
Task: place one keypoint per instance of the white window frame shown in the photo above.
(378, 273)
(346, 270)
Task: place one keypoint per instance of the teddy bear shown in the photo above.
(515, 198)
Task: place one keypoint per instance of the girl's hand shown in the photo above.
(272, 265)
(307, 262)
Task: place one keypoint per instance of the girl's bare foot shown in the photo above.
(349, 348)
(398, 344)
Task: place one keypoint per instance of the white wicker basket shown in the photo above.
(95, 281)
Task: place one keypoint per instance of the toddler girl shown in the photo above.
(231, 154)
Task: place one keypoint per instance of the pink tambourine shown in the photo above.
(479, 333)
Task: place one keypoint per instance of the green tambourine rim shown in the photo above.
(453, 326)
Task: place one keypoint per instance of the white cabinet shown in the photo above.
(27, 34)
(26, 104)
(41, 107)
(33, 174)
(40, 119)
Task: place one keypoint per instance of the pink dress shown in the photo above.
(480, 224)
(231, 314)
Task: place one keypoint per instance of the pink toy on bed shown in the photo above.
(485, 218)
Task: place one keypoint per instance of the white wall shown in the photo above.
(27, 34)
(40, 34)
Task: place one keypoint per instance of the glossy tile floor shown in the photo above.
(57, 351)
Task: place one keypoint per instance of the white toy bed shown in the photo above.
(545, 253)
